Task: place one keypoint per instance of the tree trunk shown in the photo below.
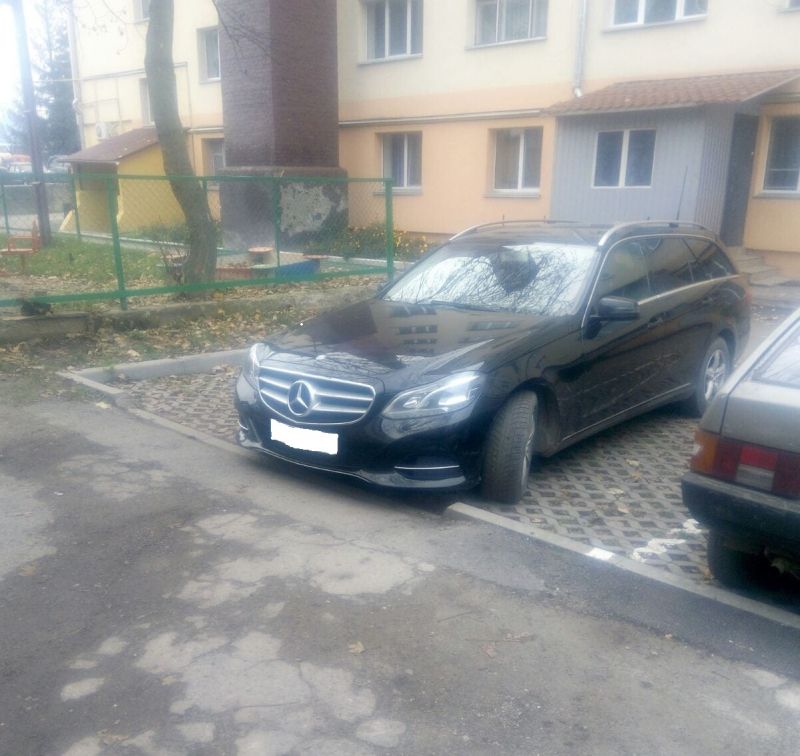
(201, 261)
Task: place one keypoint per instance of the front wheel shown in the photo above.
(509, 449)
(711, 376)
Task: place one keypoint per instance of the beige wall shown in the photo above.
(110, 52)
(457, 166)
(773, 218)
(452, 76)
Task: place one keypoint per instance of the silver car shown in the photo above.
(744, 482)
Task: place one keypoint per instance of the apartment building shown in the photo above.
(597, 110)
(108, 47)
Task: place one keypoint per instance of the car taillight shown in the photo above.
(747, 464)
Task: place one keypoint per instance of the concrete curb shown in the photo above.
(461, 510)
(93, 378)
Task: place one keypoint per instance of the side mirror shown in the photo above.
(617, 308)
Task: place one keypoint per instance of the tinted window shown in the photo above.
(783, 365)
(545, 278)
(624, 273)
(710, 260)
(670, 263)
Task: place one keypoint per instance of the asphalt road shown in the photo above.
(159, 595)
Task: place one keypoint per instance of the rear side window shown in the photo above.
(669, 261)
(710, 261)
(624, 273)
(783, 364)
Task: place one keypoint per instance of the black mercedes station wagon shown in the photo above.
(511, 340)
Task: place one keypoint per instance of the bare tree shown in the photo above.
(201, 259)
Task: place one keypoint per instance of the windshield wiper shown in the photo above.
(459, 305)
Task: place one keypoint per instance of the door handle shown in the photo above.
(655, 321)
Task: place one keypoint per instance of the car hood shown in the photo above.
(382, 340)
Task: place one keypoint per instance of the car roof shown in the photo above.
(579, 233)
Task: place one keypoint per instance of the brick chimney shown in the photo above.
(280, 105)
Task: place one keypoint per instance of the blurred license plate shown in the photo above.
(305, 439)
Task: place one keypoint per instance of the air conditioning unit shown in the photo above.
(101, 129)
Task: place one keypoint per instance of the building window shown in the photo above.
(783, 161)
(209, 54)
(624, 158)
(394, 28)
(793, 5)
(144, 101)
(509, 20)
(518, 159)
(402, 159)
(215, 156)
(141, 9)
(638, 12)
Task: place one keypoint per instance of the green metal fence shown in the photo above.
(121, 237)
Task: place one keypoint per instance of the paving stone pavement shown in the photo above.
(619, 490)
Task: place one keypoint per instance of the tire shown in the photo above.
(712, 373)
(736, 569)
(509, 449)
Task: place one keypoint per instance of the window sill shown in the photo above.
(513, 194)
(211, 81)
(790, 194)
(390, 59)
(506, 43)
(655, 24)
(789, 10)
(620, 186)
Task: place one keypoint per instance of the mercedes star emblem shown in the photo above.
(301, 399)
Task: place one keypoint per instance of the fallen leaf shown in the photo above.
(616, 492)
(356, 648)
(28, 570)
(102, 405)
(490, 650)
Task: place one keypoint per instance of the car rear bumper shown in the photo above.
(760, 518)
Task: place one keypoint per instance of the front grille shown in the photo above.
(313, 399)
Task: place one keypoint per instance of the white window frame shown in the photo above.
(499, 17)
(385, 141)
(139, 12)
(144, 103)
(203, 54)
(680, 15)
(520, 188)
(765, 189)
(369, 6)
(623, 167)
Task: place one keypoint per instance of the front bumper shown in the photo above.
(759, 518)
(392, 454)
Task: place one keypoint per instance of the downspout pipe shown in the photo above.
(580, 50)
(77, 93)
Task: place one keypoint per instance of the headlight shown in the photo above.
(258, 353)
(448, 395)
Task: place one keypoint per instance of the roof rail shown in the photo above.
(619, 227)
(540, 221)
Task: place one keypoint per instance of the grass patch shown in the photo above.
(87, 263)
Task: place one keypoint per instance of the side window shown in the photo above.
(669, 261)
(624, 273)
(710, 260)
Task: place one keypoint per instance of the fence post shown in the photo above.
(75, 207)
(5, 205)
(276, 217)
(111, 193)
(389, 228)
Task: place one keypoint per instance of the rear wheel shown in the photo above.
(734, 568)
(509, 449)
(712, 374)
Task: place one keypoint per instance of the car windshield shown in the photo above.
(543, 278)
(782, 366)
